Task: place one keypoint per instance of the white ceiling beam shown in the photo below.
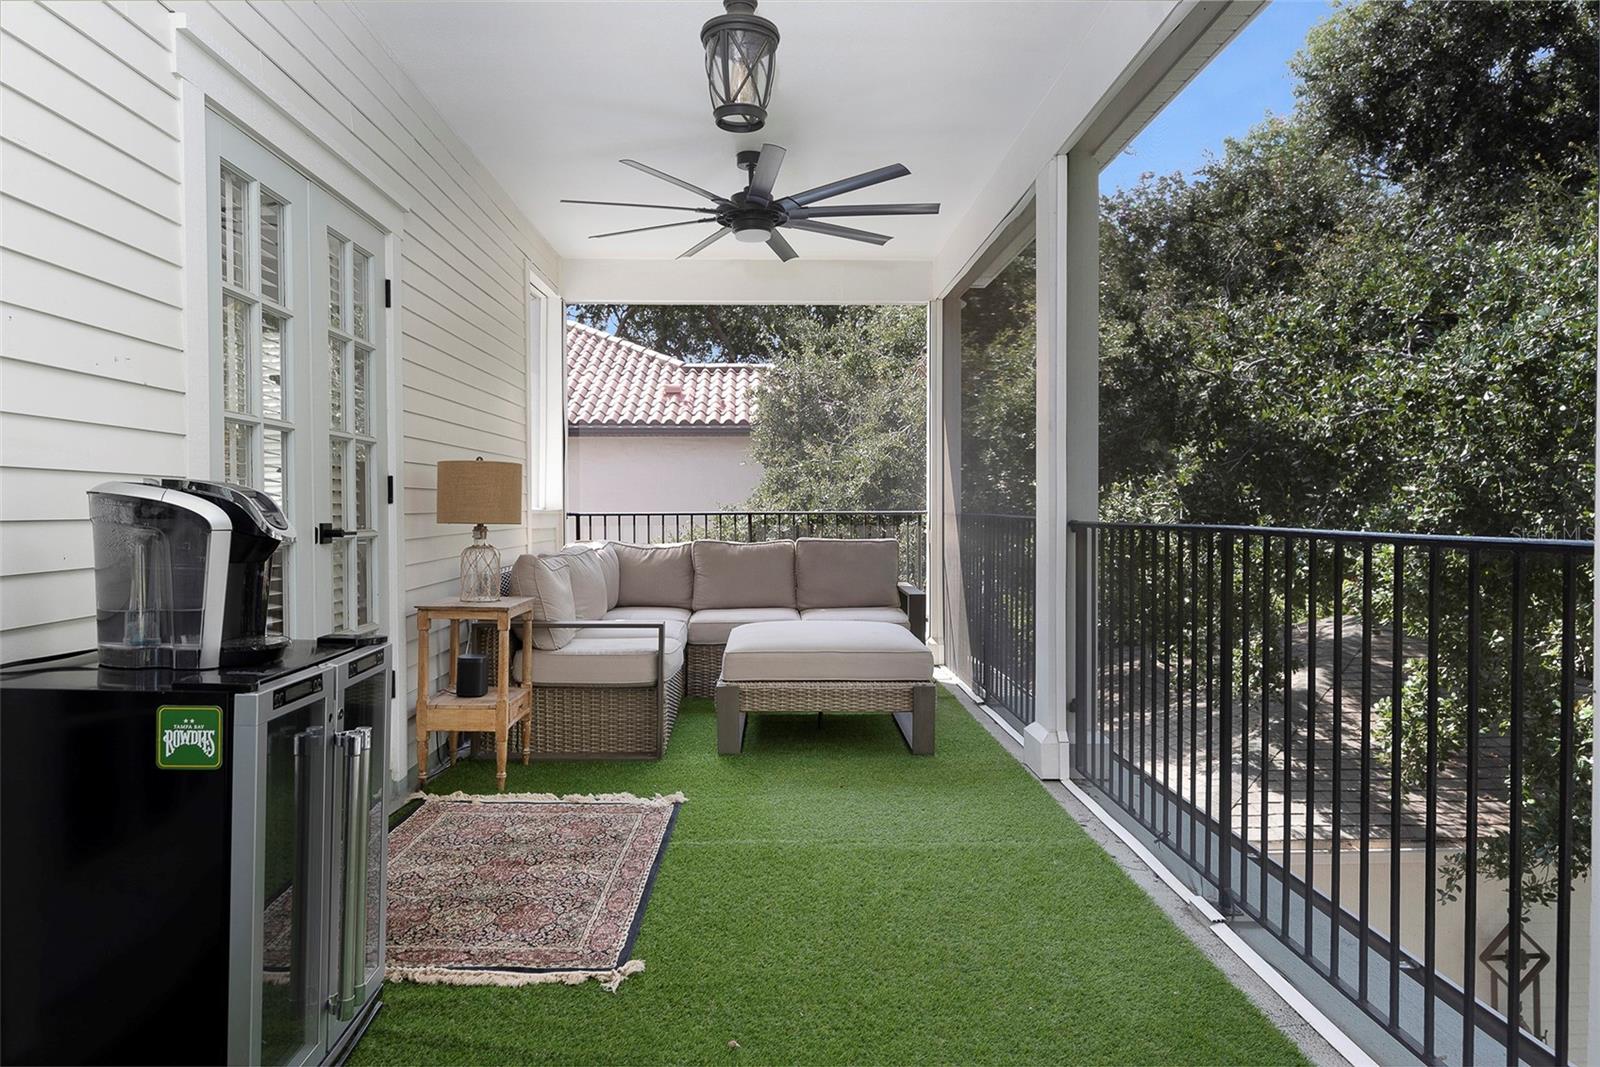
(729, 281)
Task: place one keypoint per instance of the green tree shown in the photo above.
(1379, 312)
(840, 420)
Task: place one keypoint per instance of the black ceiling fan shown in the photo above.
(755, 214)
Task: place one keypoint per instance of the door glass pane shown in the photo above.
(336, 382)
(274, 455)
(339, 549)
(336, 481)
(271, 248)
(361, 489)
(286, 993)
(271, 365)
(360, 269)
(363, 581)
(235, 358)
(235, 204)
(236, 452)
(335, 282)
(359, 370)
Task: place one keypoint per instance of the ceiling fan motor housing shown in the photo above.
(750, 229)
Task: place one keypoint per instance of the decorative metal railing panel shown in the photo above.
(1374, 745)
(909, 528)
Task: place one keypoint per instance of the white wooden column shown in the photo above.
(1067, 222)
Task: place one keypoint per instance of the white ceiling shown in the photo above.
(551, 95)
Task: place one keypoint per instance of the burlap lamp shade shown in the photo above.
(480, 492)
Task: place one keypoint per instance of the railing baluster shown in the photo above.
(1194, 683)
(1244, 722)
(1568, 714)
(1396, 672)
(1311, 742)
(1430, 875)
(1224, 820)
(1336, 850)
(1469, 923)
(1266, 695)
(1211, 707)
(1288, 737)
(1514, 945)
(1363, 994)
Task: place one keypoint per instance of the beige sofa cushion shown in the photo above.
(711, 626)
(732, 575)
(650, 613)
(547, 580)
(598, 661)
(607, 554)
(674, 620)
(847, 573)
(589, 595)
(894, 615)
(660, 575)
(825, 652)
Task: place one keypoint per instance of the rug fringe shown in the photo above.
(609, 979)
(551, 798)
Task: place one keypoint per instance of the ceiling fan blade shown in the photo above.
(838, 211)
(765, 174)
(849, 232)
(846, 185)
(723, 232)
(642, 229)
(781, 247)
(679, 182)
(659, 207)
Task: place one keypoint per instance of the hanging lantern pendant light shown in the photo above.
(741, 59)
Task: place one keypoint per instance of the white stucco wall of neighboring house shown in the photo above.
(671, 471)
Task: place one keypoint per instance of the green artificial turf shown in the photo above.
(828, 898)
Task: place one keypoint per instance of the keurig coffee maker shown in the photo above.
(181, 572)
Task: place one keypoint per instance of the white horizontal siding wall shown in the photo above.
(92, 239)
(92, 366)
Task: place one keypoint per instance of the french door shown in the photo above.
(300, 366)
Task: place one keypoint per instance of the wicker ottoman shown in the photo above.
(862, 668)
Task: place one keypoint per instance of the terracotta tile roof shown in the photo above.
(612, 382)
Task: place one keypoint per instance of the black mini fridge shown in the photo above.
(192, 861)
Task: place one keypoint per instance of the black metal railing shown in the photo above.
(909, 528)
(1376, 746)
(1000, 587)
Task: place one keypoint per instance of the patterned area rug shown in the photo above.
(513, 889)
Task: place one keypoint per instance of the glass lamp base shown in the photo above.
(480, 569)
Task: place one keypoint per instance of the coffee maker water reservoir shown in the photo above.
(182, 570)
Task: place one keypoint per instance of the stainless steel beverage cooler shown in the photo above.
(195, 913)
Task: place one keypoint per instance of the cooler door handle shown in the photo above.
(355, 746)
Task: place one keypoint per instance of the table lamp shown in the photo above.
(479, 492)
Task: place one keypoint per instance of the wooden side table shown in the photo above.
(498, 709)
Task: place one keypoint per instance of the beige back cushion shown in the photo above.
(589, 597)
(657, 576)
(853, 573)
(729, 575)
(607, 553)
(546, 579)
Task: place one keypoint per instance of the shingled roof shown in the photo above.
(616, 383)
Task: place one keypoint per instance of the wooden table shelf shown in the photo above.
(497, 710)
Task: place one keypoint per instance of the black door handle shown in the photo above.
(327, 533)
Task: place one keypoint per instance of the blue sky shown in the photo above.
(1240, 87)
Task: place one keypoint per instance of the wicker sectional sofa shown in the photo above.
(623, 632)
